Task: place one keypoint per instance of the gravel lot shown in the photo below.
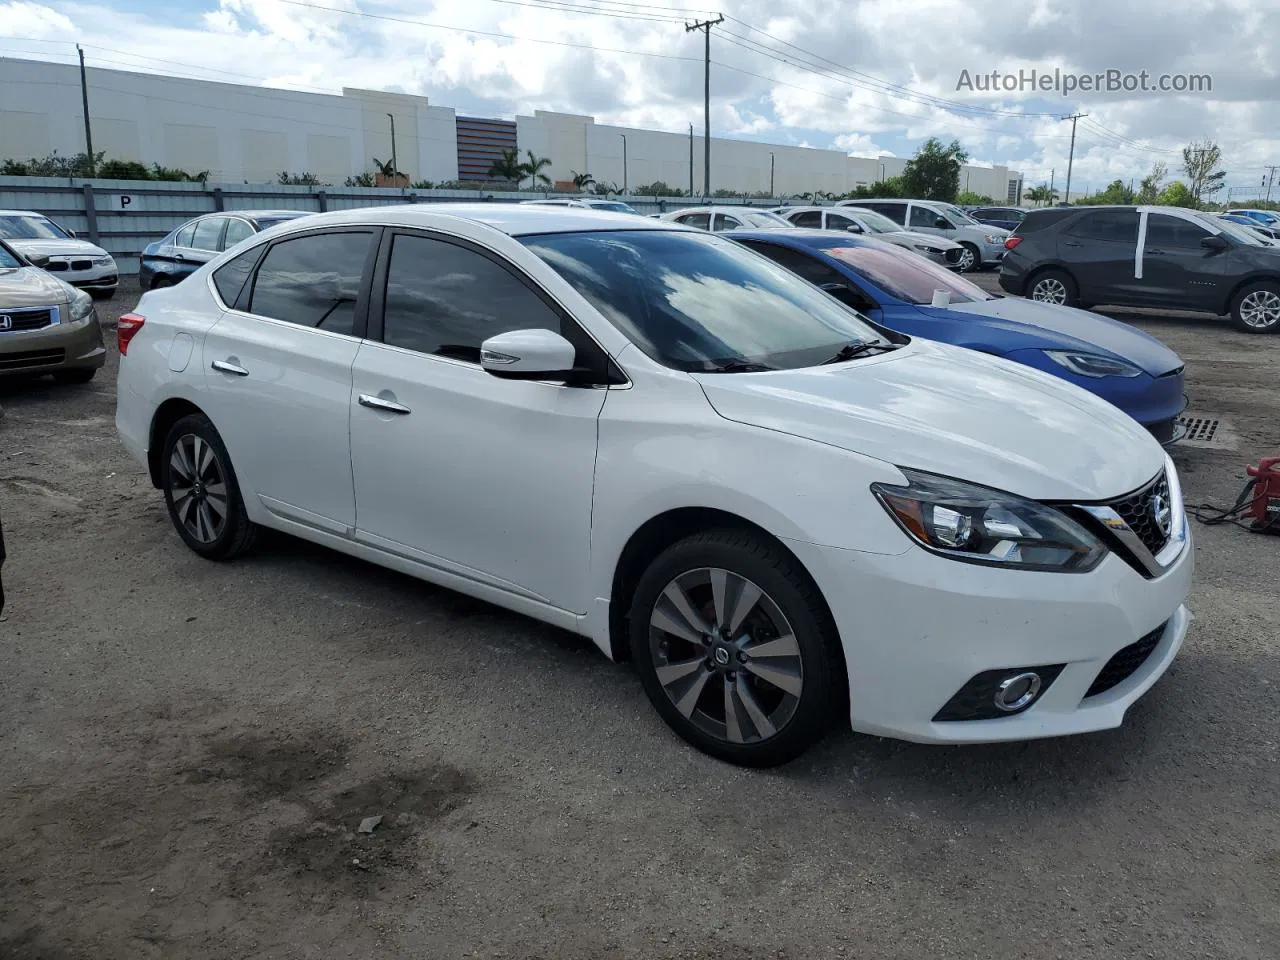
(186, 749)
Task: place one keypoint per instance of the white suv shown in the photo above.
(654, 437)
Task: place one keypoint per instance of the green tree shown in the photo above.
(123, 170)
(972, 199)
(532, 169)
(364, 179)
(1152, 184)
(1202, 163)
(1041, 195)
(582, 180)
(1177, 194)
(607, 187)
(387, 169)
(508, 166)
(303, 179)
(657, 189)
(934, 172)
(1117, 192)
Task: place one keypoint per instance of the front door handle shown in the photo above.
(383, 404)
(1071, 243)
(225, 366)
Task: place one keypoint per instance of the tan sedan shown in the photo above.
(47, 326)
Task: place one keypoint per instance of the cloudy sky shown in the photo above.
(867, 76)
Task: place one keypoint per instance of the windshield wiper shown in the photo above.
(736, 366)
(851, 351)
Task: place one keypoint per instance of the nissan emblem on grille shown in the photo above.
(1161, 512)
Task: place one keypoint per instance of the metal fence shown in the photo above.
(123, 216)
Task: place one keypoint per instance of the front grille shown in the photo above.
(1125, 663)
(81, 264)
(31, 358)
(35, 318)
(953, 256)
(57, 266)
(1138, 511)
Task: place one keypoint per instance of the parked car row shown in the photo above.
(45, 244)
(775, 505)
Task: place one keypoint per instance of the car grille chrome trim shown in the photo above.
(1133, 521)
(24, 319)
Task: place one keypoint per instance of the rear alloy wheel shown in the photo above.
(201, 492)
(970, 259)
(1256, 308)
(735, 648)
(1053, 286)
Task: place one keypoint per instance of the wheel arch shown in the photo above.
(1260, 276)
(166, 415)
(1042, 269)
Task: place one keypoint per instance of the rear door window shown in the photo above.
(897, 212)
(1118, 226)
(836, 222)
(726, 222)
(237, 230)
(313, 281)
(183, 237)
(700, 220)
(208, 233)
(810, 218)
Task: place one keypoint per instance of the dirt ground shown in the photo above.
(187, 749)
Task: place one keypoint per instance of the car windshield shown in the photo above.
(697, 302)
(875, 222)
(763, 218)
(956, 215)
(1235, 231)
(7, 260)
(906, 276)
(14, 227)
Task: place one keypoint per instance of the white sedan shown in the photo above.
(717, 219)
(78, 262)
(665, 442)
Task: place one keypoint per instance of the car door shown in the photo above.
(1098, 248)
(277, 369)
(925, 220)
(1176, 268)
(485, 478)
(838, 221)
(724, 221)
(171, 257)
(700, 220)
(811, 219)
(206, 243)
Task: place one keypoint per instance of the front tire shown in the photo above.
(1053, 286)
(970, 258)
(201, 491)
(1256, 308)
(735, 648)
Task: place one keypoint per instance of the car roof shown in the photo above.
(514, 219)
(22, 213)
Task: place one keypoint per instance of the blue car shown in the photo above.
(1271, 232)
(189, 247)
(1265, 218)
(903, 291)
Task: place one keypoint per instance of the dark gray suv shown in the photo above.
(1145, 257)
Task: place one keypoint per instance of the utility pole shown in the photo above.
(691, 160)
(1271, 175)
(84, 97)
(705, 26)
(1072, 155)
(771, 193)
(624, 163)
(1049, 199)
(395, 167)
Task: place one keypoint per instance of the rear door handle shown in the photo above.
(1155, 253)
(1071, 243)
(225, 366)
(382, 403)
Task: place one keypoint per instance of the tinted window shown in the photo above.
(923, 217)
(208, 232)
(837, 222)
(230, 277)
(701, 220)
(726, 222)
(183, 237)
(897, 212)
(237, 230)
(1120, 226)
(912, 278)
(798, 263)
(312, 281)
(445, 299)
(1166, 231)
(694, 301)
(810, 218)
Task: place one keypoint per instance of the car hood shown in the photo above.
(903, 237)
(1065, 328)
(954, 412)
(31, 287)
(57, 248)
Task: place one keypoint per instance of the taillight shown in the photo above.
(127, 328)
(1012, 242)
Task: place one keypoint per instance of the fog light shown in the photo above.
(1017, 691)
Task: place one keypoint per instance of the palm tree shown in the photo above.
(607, 188)
(1041, 195)
(533, 167)
(508, 166)
(582, 180)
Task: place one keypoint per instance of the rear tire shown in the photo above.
(79, 375)
(1256, 308)
(1053, 286)
(201, 491)
(756, 709)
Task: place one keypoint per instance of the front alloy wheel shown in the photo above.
(735, 647)
(968, 259)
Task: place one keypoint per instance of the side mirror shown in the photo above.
(528, 355)
(72, 234)
(942, 223)
(853, 228)
(38, 260)
(1214, 242)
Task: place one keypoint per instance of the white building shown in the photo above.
(246, 133)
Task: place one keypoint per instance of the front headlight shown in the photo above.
(81, 306)
(104, 261)
(980, 525)
(1091, 365)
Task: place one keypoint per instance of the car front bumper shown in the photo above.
(61, 346)
(83, 272)
(916, 628)
(993, 253)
